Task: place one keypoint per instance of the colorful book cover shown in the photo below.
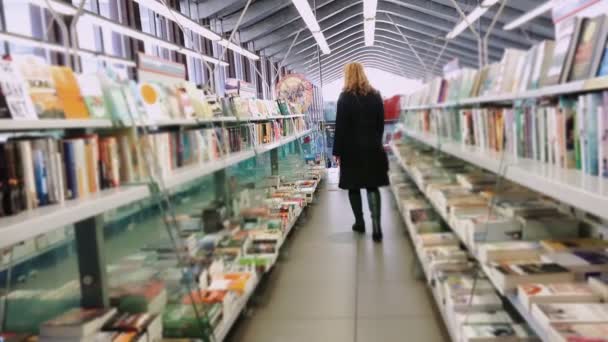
(562, 56)
(16, 102)
(591, 131)
(585, 49)
(603, 136)
(40, 85)
(68, 92)
(92, 92)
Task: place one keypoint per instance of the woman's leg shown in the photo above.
(354, 196)
(375, 207)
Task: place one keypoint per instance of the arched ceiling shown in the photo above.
(272, 25)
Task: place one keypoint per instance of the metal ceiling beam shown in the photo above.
(421, 42)
(289, 17)
(409, 27)
(405, 17)
(398, 54)
(402, 63)
(367, 61)
(361, 52)
(257, 12)
(212, 8)
(389, 38)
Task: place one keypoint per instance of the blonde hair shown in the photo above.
(355, 80)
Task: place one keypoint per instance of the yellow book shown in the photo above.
(69, 94)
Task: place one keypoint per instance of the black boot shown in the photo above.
(373, 199)
(354, 196)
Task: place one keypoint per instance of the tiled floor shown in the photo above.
(332, 286)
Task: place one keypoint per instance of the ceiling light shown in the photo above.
(192, 25)
(471, 18)
(369, 26)
(321, 42)
(311, 22)
(306, 13)
(369, 20)
(540, 10)
(369, 8)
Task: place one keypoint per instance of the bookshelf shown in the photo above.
(30, 224)
(570, 186)
(50, 124)
(510, 297)
(9, 125)
(570, 88)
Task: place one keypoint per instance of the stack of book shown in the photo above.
(472, 308)
(525, 245)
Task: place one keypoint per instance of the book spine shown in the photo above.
(27, 170)
(70, 166)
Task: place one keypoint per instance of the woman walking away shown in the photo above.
(358, 146)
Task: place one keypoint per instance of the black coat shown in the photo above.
(358, 141)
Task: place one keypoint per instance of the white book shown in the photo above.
(27, 169)
(547, 314)
(497, 332)
(580, 123)
(530, 294)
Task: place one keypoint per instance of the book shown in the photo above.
(556, 313)
(579, 261)
(530, 294)
(541, 64)
(579, 332)
(567, 33)
(92, 93)
(502, 251)
(599, 284)
(482, 317)
(41, 88)
(68, 92)
(602, 136)
(508, 276)
(473, 302)
(77, 323)
(574, 245)
(537, 227)
(495, 332)
(437, 239)
(593, 34)
(15, 101)
(150, 96)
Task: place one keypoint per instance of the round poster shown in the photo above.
(297, 90)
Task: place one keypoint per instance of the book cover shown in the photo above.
(570, 313)
(602, 137)
(563, 52)
(591, 131)
(568, 332)
(68, 92)
(76, 323)
(41, 88)
(40, 161)
(92, 93)
(15, 100)
(150, 96)
(574, 245)
(591, 33)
